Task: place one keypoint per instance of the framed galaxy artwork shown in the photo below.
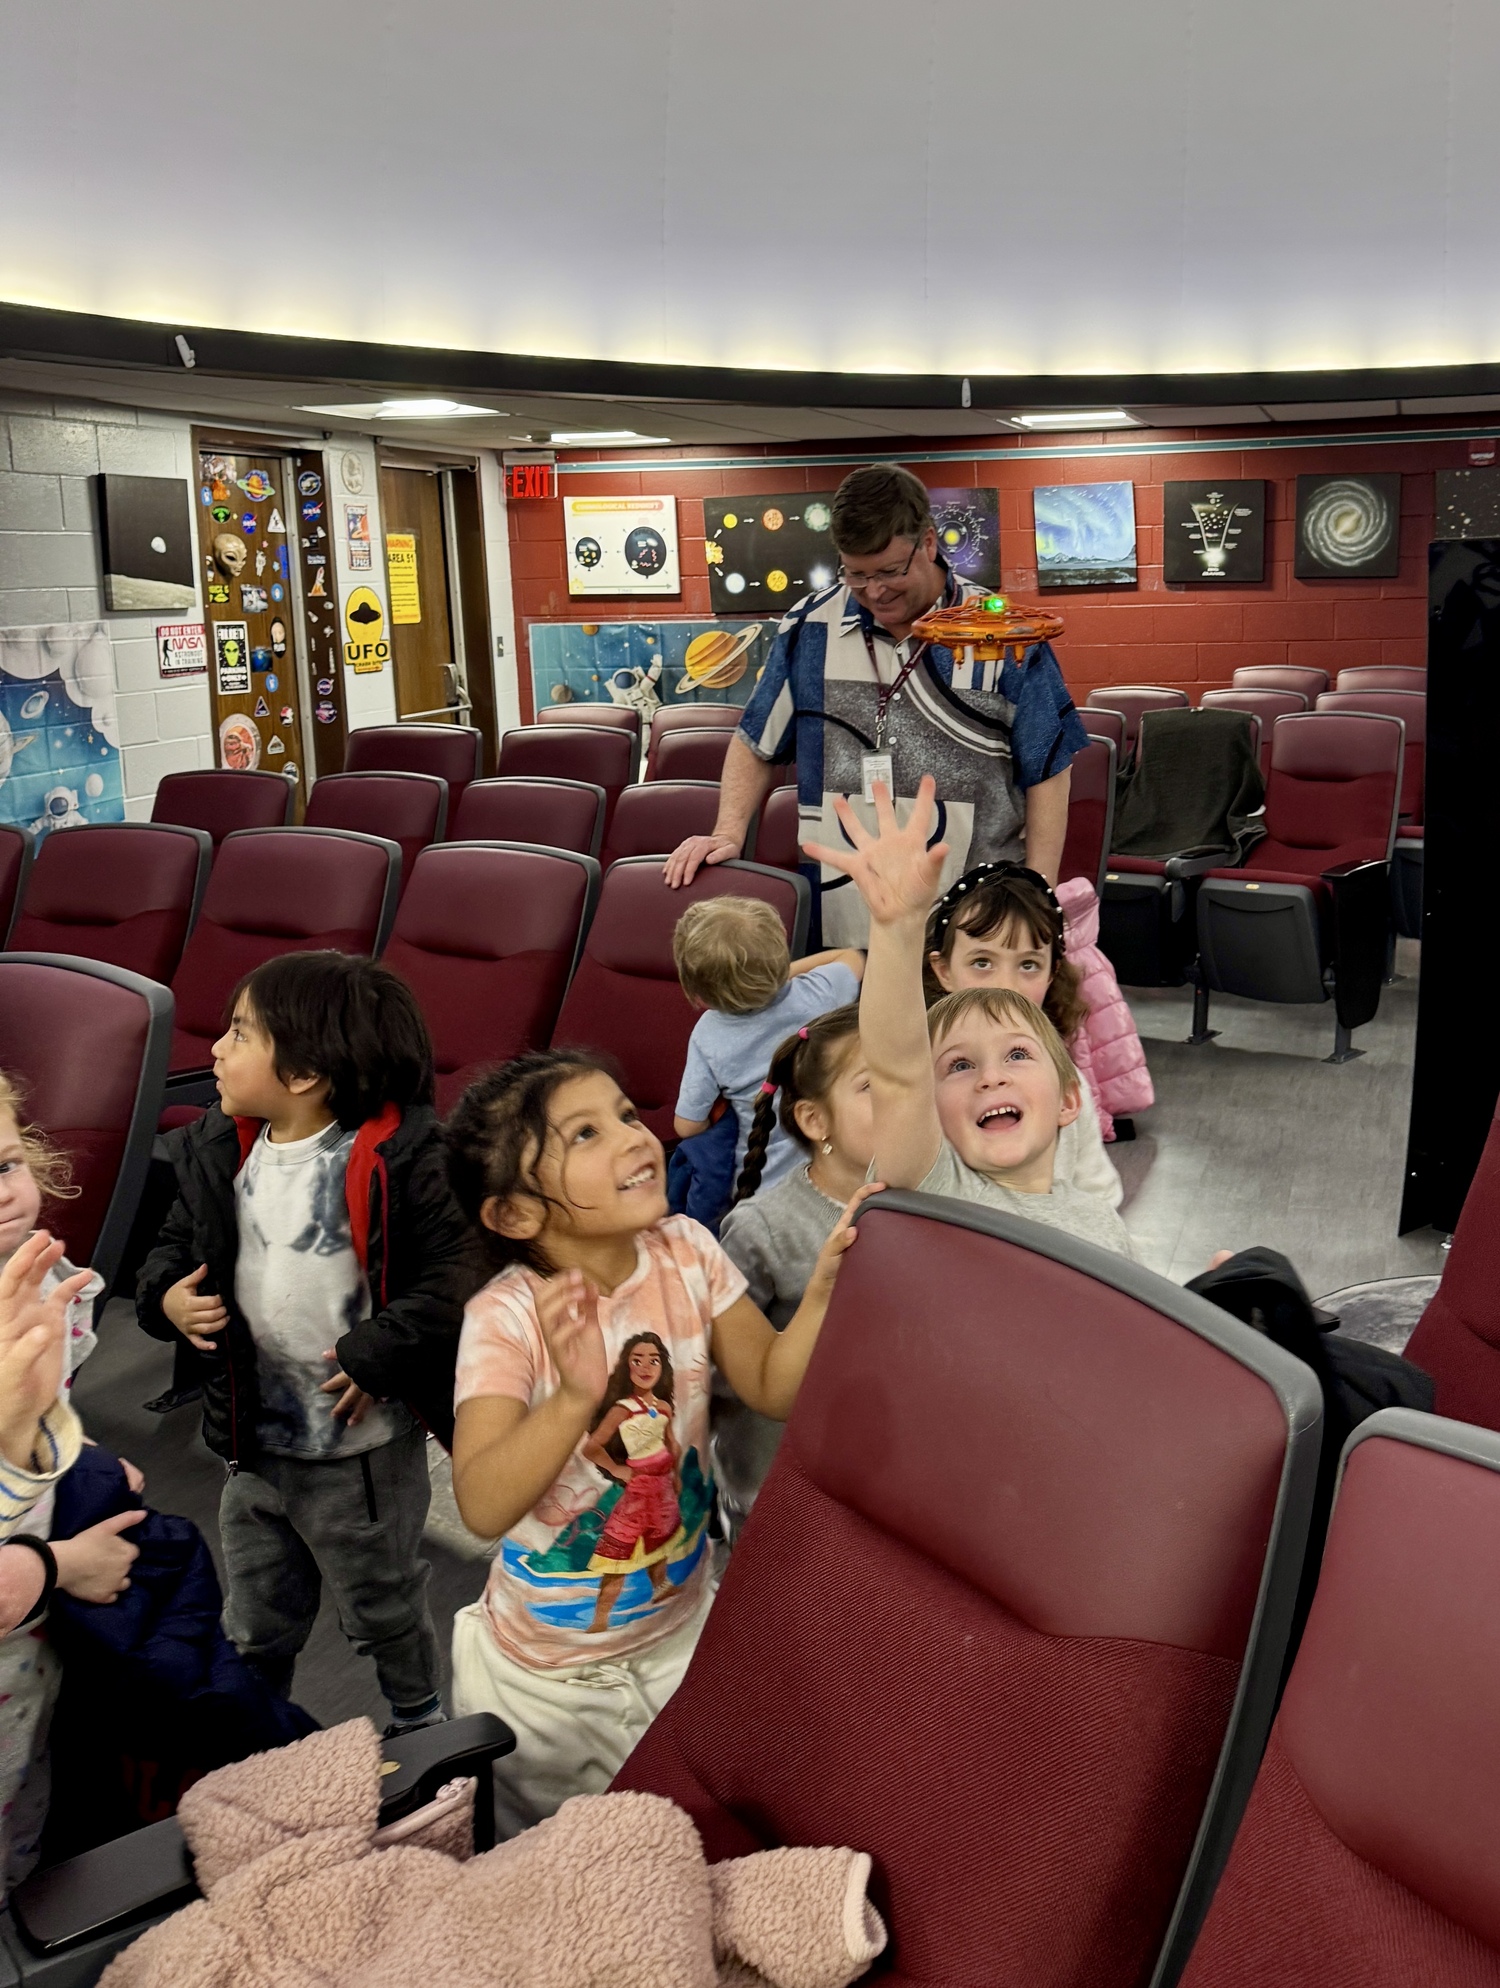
(968, 533)
(1085, 534)
(1214, 532)
(1348, 527)
(766, 552)
(1468, 504)
(621, 545)
(146, 534)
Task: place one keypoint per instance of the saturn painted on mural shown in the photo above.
(717, 658)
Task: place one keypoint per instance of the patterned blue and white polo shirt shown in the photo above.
(984, 744)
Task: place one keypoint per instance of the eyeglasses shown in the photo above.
(886, 577)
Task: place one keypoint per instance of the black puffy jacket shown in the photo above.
(407, 1230)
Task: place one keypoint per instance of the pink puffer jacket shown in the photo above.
(1106, 1047)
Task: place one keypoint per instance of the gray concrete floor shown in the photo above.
(1253, 1139)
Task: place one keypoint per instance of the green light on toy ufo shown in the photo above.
(995, 604)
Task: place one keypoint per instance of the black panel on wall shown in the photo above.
(1456, 1077)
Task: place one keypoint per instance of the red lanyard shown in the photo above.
(884, 693)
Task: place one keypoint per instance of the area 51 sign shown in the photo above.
(366, 650)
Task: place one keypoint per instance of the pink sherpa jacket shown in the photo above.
(299, 1889)
(1106, 1047)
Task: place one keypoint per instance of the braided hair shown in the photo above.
(984, 903)
(495, 1136)
(804, 1067)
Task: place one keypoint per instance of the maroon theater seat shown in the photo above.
(220, 802)
(1307, 915)
(487, 936)
(88, 1043)
(1132, 700)
(1281, 676)
(1382, 676)
(558, 814)
(690, 754)
(650, 820)
(690, 718)
(598, 754)
(1091, 813)
(277, 890)
(614, 716)
(1367, 1851)
(778, 837)
(1457, 1339)
(625, 999)
(1264, 706)
(1016, 1591)
(1102, 724)
(447, 752)
(409, 809)
(1410, 706)
(122, 892)
(15, 867)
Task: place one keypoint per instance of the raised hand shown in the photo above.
(33, 1342)
(896, 873)
(568, 1312)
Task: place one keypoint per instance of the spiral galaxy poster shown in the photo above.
(1349, 527)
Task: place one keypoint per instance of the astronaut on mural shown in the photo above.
(635, 688)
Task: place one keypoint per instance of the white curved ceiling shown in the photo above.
(978, 187)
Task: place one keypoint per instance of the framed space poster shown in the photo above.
(764, 553)
(968, 533)
(1085, 534)
(1214, 531)
(642, 665)
(1468, 504)
(146, 539)
(621, 545)
(1349, 527)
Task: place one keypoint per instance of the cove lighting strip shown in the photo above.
(1043, 452)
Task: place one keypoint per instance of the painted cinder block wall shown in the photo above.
(1194, 637)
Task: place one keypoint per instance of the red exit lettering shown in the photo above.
(530, 479)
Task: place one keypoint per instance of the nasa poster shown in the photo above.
(621, 545)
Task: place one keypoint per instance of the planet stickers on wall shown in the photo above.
(764, 553)
(1348, 527)
(257, 486)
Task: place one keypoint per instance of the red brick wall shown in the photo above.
(1151, 633)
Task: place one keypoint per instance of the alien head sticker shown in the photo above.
(366, 650)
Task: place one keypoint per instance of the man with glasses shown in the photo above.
(853, 698)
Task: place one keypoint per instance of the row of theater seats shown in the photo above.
(1055, 1706)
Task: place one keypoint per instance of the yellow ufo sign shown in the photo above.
(366, 650)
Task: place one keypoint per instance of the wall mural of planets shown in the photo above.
(59, 736)
(644, 664)
(1349, 527)
(764, 553)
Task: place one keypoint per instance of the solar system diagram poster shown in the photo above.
(1214, 531)
(968, 533)
(1348, 527)
(621, 545)
(764, 553)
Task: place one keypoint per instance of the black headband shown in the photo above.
(988, 873)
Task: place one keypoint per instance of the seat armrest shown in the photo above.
(417, 1764)
(119, 1884)
(1198, 863)
(1361, 895)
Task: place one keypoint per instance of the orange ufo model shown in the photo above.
(986, 628)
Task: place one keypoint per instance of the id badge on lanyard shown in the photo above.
(875, 766)
(880, 764)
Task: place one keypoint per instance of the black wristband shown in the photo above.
(49, 1580)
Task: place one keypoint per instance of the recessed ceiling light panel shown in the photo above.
(406, 410)
(1076, 418)
(602, 438)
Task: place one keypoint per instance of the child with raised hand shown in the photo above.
(733, 962)
(969, 1099)
(582, 1424)
(316, 1259)
(1001, 925)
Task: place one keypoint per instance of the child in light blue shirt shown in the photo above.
(733, 962)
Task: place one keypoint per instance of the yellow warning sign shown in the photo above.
(401, 573)
(366, 650)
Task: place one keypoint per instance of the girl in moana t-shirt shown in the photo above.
(633, 1442)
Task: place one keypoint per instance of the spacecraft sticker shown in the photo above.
(274, 744)
(287, 714)
(252, 599)
(273, 684)
(218, 596)
(278, 592)
(257, 486)
(262, 709)
(312, 512)
(317, 588)
(325, 686)
(221, 514)
(232, 658)
(309, 483)
(324, 713)
(273, 523)
(260, 659)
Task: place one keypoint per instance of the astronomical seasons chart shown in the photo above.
(1349, 527)
(1214, 531)
(766, 552)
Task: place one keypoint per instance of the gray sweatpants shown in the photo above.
(356, 1522)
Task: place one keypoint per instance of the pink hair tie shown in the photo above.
(768, 1090)
(803, 1033)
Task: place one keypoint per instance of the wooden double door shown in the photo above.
(439, 620)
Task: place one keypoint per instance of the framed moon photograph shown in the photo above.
(1214, 532)
(764, 553)
(1085, 534)
(146, 533)
(1349, 527)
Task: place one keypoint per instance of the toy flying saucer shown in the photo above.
(987, 628)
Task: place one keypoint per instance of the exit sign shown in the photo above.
(531, 479)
